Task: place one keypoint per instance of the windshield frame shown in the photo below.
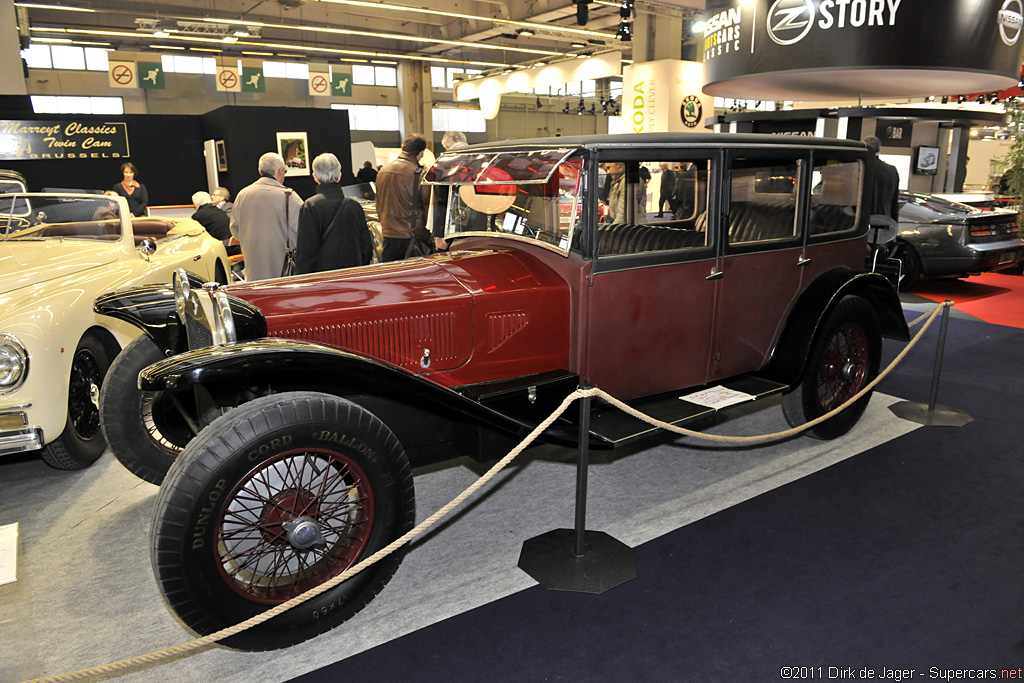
(568, 224)
(7, 224)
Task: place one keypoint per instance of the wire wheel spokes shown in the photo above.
(161, 420)
(844, 366)
(292, 523)
(83, 394)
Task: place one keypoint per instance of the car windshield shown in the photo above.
(532, 196)
(38, 217)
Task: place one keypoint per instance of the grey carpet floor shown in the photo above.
(86, 595)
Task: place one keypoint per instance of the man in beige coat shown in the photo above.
(265, 219)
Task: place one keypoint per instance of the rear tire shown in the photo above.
(81, 443)
(911, 265)
(144, 428)
(272, 499)
(844, 359)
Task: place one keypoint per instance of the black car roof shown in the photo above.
(634, 140)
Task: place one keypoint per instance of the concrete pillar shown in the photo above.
(656, 37)
(12, 76)
(415, 101)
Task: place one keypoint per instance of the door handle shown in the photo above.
(716, 274)
(802, 261)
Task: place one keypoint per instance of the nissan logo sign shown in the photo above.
(790, 20)
(1011, 18)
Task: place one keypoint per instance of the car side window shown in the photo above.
(835, 189)
(762, 200)
(651, 206)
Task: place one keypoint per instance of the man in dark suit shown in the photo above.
(886, 187)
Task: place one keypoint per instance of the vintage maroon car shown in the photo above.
(287, 412)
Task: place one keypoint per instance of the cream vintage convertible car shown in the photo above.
(58, 252)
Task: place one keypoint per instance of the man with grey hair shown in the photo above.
(221, 198)
(265, 219)
(210, 217)
(332, 228)
(453, 139)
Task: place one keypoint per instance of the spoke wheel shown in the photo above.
(292, 523)
(81, 442)
(844, 367)
(844, 358)
(84, 394)
(146, 430)
(275, 498)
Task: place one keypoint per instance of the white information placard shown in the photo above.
(717, 397)
(8, 553)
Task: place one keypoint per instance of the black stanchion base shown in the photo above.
(942, 416)
(550, 559)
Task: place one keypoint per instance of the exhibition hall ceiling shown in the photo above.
(480, 34)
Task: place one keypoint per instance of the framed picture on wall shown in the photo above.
(295, 150)
(222, 157)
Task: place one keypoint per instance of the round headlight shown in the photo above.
(13, 363)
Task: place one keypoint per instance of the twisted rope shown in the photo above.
(158, 655)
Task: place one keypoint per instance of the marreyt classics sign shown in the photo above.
(861, 47)
(27, 140)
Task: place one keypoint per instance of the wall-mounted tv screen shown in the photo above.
(926, 160)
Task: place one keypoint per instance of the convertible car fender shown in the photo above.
(790, 354)
(274, 365)
(152, 309)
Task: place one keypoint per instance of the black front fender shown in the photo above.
(279, 365)
(151, 309)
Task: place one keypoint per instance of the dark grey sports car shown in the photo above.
(940, 238)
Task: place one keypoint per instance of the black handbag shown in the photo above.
(418, 247)
(288, 267)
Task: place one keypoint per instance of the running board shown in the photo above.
(616, 428)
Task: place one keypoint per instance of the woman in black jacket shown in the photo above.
(132, 190)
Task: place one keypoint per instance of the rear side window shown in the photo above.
(762, 200)
(835, 189)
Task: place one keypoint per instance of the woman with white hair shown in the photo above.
(332, 228)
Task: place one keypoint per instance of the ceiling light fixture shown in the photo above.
(457, 15)
(526, 32)
(62, 8)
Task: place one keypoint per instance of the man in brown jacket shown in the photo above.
(402, 200)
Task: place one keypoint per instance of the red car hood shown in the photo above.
(429, 314)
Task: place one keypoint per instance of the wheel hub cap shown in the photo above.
(94, 394)
(304, 533)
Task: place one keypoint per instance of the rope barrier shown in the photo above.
(158, 655)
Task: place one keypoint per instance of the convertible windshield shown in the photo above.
(36, 217)
(505, 198)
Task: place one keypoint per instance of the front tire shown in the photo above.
(910, 269)
(275, 498)
(844, 359)
(145, 429)
(81, 443)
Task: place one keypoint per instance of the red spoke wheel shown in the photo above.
(272, 499)
(844, 359)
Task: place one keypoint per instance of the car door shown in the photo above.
(761, 261)
(650, 305)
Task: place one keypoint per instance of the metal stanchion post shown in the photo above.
(933, 414)
(577, 559)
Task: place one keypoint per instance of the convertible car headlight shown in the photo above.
(13, 363)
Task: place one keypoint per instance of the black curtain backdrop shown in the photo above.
(168, 149)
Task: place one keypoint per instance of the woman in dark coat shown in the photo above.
(132, 190)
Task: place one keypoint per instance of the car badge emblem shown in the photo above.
(691, 111)
(790, 20)
(1011, 19)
